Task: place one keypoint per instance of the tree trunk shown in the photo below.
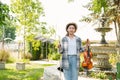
(117, 30)
(118, 43)
(119, 34)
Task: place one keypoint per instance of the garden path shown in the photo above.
(57, 62)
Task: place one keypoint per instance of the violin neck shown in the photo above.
(88, 51)
(88, 47)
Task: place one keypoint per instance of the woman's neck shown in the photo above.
(71, 36)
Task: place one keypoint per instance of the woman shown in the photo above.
(70, 47)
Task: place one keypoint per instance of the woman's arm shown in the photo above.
(81, 49)
(60, 46)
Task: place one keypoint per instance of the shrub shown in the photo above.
(81, 69)
(25, 60)
(26, 55)
(54, 56)
(113, 58)
(10, 60)
(100, 75)
(4, 55)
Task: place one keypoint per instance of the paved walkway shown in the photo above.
(57, 62)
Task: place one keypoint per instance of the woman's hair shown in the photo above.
(69, 24)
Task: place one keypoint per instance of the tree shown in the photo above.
(114, 13)
(6, 27)
(28, 14)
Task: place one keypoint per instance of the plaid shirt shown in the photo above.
(64, 51)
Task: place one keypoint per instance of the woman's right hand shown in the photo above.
(59, 45)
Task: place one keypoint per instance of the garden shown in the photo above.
(25, 38)
(35, 71)
(31, 72)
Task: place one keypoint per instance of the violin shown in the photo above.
(87, 63)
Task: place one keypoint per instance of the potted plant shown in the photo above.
(4, 55)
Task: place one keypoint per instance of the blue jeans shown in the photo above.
(72, 72)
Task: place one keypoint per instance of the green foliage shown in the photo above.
(81, 60)
(81, 68)
(113, 58)
(10, 60)
(110, 78)
(54, 56)
(56, 43)
(4, 13)
(42, 51)
(28, 15)
(10, 32)
(36, 45)
(25, 60)
(100, 75)
(6, 26)
(35, 54)
(32, 43)
(98, 4)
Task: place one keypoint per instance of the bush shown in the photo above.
(10, 60)
(26, 55)
(100, 75)
(113, 58)
(81, 69)
(4, 55)
(54, 56)
(25, 61)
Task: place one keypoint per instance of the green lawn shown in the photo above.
(31, 72)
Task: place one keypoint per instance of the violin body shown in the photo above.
(87, 63)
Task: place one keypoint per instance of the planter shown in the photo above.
(2, 65)
(20, 66)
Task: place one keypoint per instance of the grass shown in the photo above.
(31, 72)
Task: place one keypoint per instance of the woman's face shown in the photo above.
(71, 30)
